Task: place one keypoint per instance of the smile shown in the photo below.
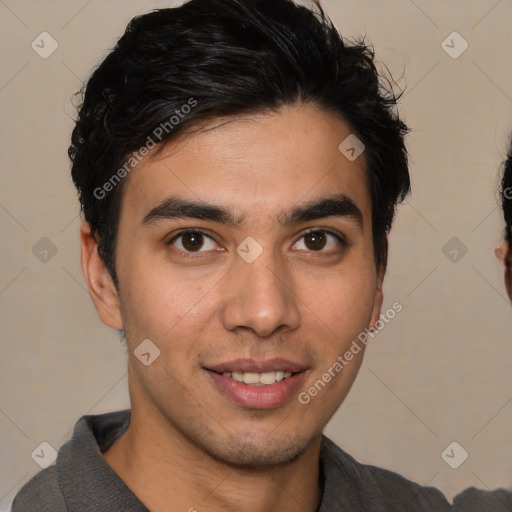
(258, 379)
(257, 390)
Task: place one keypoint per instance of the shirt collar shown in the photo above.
(85, 478)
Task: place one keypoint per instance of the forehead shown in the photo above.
(257, 166)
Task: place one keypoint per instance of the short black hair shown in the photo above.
(506, 195)
(174, 69)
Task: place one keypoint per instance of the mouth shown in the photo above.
(257, 385)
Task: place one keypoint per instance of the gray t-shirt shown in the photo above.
(81, 480)
(477, 500)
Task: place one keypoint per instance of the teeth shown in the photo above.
(251, 378)
(266, 378)
(238, 376)
(258, 379)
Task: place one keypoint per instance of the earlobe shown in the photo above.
(101, 288)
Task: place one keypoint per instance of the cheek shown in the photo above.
(508, 272)
(160, 303)
(508, 281)
(343, 302)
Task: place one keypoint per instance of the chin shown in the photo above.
(249, 452)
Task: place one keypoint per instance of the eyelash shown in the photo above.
(338, 236)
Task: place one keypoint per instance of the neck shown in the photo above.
(162, 467)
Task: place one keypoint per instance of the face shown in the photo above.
(245, 254)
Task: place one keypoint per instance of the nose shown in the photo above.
(260, 296)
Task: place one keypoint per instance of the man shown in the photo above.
(499, 500)
(238, 166)
(504, 251)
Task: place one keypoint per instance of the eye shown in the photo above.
(193, 241)
(319, 241)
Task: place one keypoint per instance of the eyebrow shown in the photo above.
(337, 205)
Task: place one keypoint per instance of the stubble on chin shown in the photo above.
(253, 450)
(253, 455)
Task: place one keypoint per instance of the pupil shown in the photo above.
(192, 241)
(316, 240)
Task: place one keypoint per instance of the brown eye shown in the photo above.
(320, 241)
(315, 241)
(193, 241)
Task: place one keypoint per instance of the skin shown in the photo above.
(187, 443)
(504, 254)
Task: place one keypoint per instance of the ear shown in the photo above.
(501, 251)
(379, 297)
(101, 288)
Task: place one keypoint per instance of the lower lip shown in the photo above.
(257, 397)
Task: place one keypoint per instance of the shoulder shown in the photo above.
(474, 500)
(381, 489)
(40, 494)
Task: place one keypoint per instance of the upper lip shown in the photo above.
(256, 366)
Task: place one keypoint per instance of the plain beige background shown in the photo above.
(438, 373)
